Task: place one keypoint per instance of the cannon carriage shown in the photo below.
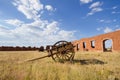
(61, 51)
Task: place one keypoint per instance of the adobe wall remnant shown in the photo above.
(96, 43)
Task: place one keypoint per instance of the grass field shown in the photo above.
(86, 66)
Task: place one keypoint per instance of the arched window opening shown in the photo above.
(107, 45)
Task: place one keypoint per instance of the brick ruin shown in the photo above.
(97, 43)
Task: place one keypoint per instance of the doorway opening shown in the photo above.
(107, 45)
(84, 44)
(78, 47)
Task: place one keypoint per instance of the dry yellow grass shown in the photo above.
(86, 66)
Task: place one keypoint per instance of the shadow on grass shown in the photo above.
(89, 61)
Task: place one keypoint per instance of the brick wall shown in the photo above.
(99, 42)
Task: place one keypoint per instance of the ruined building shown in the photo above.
(98, 43)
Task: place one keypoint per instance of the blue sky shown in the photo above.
(42, 22)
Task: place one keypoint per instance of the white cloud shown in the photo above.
(107, 29)
(64, 34)
(99, 29)
(29, 8)
(36, 33)
(94, 10)
(114, 20)
(101, 20)
(114, 12)
(14, 22)
(0, 12)
(114, 7)
(117, 29)
(85, 1)
(94, 5)
(3, 29)
(49, 7)
(117, 26)
(5, 33)
(51, 28)
(107, 21)
(39, 32)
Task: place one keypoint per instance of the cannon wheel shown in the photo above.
(62, 51)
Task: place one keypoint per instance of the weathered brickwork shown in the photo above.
(85, 43)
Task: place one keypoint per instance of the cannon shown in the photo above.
(61, 51)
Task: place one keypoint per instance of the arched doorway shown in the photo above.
(107, 45)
